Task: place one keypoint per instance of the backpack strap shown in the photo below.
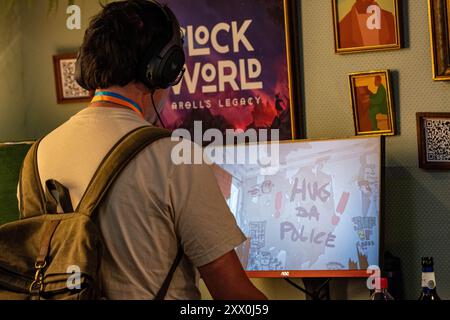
(109, 170)
(166, 284)
(32, 197)
(115, 161)
(57, 195)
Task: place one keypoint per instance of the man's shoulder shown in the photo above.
(171, 149)
(171, 144)
(161, 147)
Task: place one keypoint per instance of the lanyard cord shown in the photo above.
(105, 96)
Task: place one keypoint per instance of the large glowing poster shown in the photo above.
(238, 70)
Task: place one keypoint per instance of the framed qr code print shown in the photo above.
(67, 89)
(433, 134)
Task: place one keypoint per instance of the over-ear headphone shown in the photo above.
(160, 67)
(164, 67)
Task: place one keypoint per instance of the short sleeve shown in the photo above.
(203, 221)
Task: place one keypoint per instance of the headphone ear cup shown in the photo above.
(169, 68)
(150, 76)
(163, 72)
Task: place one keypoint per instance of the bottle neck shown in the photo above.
(428, 269)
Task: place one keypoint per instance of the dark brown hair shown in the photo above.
(117, 41)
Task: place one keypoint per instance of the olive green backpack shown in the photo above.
(51, 256)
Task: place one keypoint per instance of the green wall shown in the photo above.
(44, 35)
(417, 202)
(12, 109)
(11, 158)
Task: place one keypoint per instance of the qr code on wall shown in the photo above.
(70, 87)
(437, 135)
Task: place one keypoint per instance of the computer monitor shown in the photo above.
(314, 212)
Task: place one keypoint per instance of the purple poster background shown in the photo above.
(252, 38)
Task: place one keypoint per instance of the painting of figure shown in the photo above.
(363, 25)
(372, 103)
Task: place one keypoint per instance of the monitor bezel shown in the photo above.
(334, 273)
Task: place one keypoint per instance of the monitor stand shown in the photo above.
(319, 288)
(316, 289)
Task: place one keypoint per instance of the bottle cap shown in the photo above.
(383, 283)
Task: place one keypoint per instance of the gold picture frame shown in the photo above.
(372, 103)
(381, 15)
(439, 18)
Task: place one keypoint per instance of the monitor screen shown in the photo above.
(314, 212)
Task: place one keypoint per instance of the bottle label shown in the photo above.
(428, 280)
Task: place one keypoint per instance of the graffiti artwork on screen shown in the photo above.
(319, 212)
(237, 67)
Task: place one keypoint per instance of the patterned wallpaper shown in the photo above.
(417, 218)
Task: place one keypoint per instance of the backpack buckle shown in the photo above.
(37, 285)
(39, 265)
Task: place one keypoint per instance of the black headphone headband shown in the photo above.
(165, 67)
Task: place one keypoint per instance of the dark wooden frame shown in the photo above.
(421, 141)
(58, 81)
(394, 46)
(439, 15)
(294, 46)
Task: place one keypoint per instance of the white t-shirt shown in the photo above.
(153, 206)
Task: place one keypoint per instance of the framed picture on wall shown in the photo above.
(433, 136)
(242, 69)
(67, 89)
(439, 14)
(366, 25)
(372, 103)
